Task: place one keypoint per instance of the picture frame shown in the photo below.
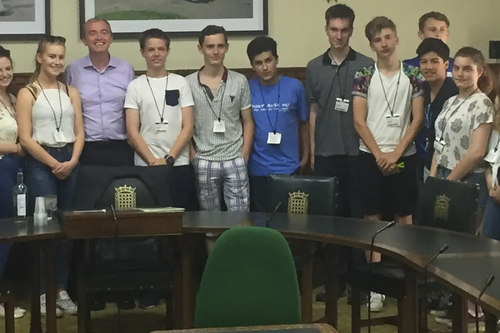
(183, 18)
(26, 21)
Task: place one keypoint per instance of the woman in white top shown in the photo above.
(491, 218)
(464, 125)
(51, 131)
(10, 151)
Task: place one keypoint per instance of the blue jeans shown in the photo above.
(491, 219)
(9, 165)
(42, 182)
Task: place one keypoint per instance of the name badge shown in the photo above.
(439, 145)
(59, 137)
(161, 127)
(273, 138)
(342, 105)
(393, 121)
(219, 126)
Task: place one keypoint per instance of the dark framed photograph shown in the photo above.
(179, 18)
(24, 20)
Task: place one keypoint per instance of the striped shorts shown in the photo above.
(231, 176)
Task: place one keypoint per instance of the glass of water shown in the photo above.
(50, 205)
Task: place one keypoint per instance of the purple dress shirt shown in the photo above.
(103, 96)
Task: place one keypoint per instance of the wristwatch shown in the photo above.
(169, 159)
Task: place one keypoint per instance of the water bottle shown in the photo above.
(20, 196)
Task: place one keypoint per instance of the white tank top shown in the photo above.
(53, 110)
(8, 124)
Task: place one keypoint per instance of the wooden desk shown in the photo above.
(41, 240)
(83, 225)
(303, 328)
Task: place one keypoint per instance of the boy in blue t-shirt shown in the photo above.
(280, 112)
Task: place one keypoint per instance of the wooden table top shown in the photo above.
(300, 328)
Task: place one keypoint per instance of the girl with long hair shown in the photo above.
(51, 131)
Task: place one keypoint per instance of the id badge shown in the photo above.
(161, 127)
(59, 136)
(273, 138)
(342, 105)
(439, 146)
(393, 121)
(219, 126)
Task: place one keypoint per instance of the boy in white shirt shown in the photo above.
(388, 112)
(159, 113)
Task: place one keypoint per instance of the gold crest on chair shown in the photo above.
(442, 207)
(298, 203)
(125, 197)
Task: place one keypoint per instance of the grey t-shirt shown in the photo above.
(325, 82)
(232, 97)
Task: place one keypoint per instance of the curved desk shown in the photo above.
(464, 268)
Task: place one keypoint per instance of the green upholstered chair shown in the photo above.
(249, 280)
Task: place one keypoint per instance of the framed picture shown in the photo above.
(179, 18)
(24, 20)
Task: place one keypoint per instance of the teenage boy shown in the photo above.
(334, 141)
(388, 111)
(433, 55)
(159, 109)
(223, 126)
(280, 113)
(433, 25)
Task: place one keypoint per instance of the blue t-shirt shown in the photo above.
(416, 63)
(278, 108)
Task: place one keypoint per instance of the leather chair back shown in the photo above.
(303, 194)
(449, 205)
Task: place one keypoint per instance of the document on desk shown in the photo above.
(162, 210)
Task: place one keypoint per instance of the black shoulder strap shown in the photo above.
(32, 92)
(67, 89)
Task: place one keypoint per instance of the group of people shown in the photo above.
(379, 126)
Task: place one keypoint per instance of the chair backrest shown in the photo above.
(303, 194)
(249, 280)
(123, 187)
(449, 205)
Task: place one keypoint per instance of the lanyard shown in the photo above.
(267, 109)
(154, 98)
(342, 92)
(385, 94)
(210, 102)
(58, 127)
(445, 119)
(11, 105)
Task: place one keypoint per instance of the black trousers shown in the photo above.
(107, 153)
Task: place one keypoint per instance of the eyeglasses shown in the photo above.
(54, 39)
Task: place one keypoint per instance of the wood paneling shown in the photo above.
(21, 79)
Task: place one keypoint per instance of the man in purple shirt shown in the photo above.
(102, 81)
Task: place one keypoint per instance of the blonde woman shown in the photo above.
(51, 131)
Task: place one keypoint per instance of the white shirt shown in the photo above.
(50, 112)
(160, 137)
(493, 156)
(455, 125)
(8, 124)
(384, 94)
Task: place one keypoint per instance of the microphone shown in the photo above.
(441, 251)
(486, 285)
(272, 214)
(389, 225)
